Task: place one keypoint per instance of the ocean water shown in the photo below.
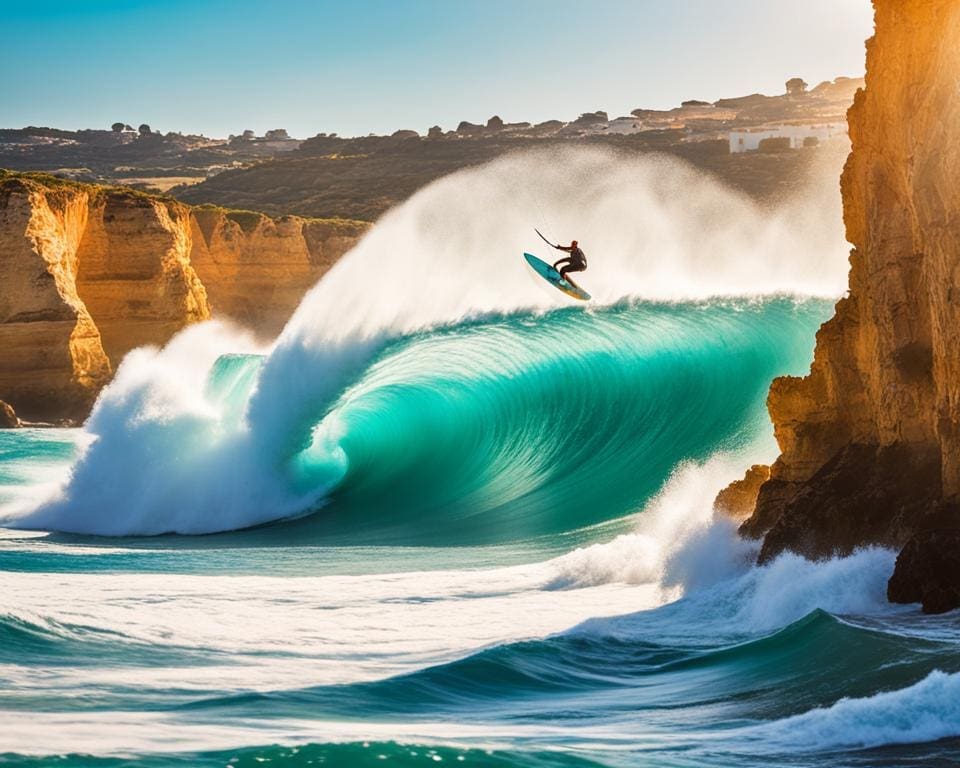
(448, 517)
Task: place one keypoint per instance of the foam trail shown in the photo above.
(762, 599)
(175, 461)
(925, 711)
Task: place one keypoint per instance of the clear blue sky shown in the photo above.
(361, 66)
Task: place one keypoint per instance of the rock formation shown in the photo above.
(134, 273)
(88, 273)
(52, 361)
(8, 417)
(739, 498)
(928, 571)
(870, 439)
(256, 269)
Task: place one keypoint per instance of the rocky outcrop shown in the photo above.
(870, 439)
(89, 273)
(865, 494)
(928, 571)
(8, 416)
(739, 499)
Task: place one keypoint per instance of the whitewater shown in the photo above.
(450, 516)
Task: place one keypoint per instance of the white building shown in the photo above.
(624, 125)
(749, 140)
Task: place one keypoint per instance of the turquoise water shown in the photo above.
(484, 544)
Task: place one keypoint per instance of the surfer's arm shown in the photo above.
(566, 248)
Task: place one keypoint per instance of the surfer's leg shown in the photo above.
(565, 273)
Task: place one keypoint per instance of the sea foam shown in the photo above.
(925, 711)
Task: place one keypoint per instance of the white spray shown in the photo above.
(166, 459)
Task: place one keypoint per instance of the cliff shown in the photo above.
(52, 361)
(257, 269)
(88, 273)
(870, 439)
(134, 273)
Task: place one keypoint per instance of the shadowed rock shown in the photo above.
(928, 571)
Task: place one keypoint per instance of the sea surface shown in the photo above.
(451, 517)
(514, 564)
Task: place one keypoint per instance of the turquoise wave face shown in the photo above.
(532, 426)
(505, 429)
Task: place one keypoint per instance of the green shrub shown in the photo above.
(248, 220)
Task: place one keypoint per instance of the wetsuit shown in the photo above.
(575, 262)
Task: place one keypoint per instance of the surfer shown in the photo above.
(575, 262)
(557, 275)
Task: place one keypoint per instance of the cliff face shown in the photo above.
(134, 272)
(870, 439)
(52, 361)
(87, 274)
(257, 269)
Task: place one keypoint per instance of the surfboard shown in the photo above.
(552, 276)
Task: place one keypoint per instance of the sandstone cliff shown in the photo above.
(870, 439)
(88, 273)
(52, 361)
(8, 417)
(134, 273)
(256, 269)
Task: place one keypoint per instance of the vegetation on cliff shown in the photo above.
(362, 178)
